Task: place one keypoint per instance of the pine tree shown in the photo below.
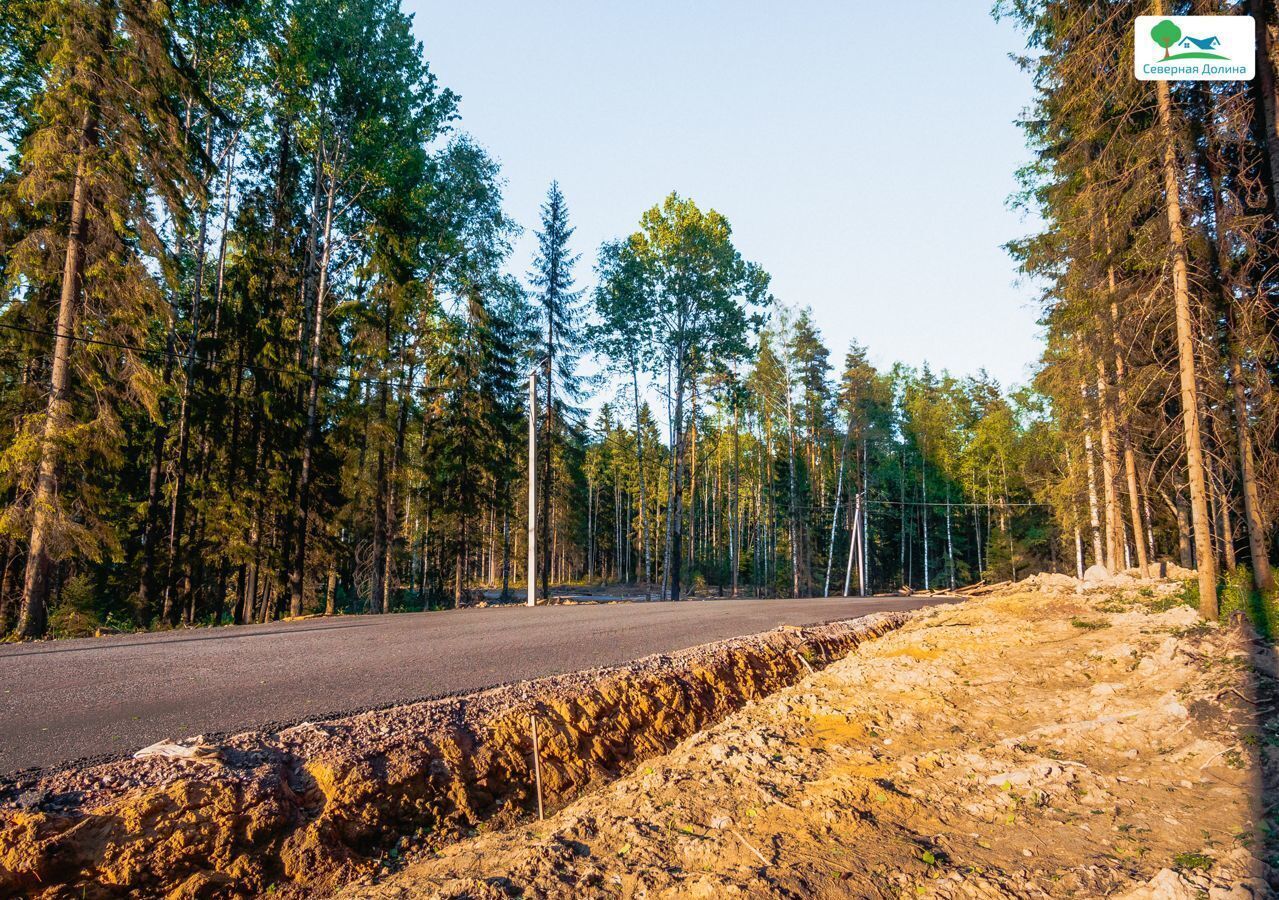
(108, 141)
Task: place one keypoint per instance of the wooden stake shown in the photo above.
(747, 844)
(537, 769)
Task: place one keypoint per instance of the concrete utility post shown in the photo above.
(854, 549)
(532, 488)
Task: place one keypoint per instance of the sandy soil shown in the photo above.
(1041, 743)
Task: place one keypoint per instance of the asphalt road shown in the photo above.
(69, 700)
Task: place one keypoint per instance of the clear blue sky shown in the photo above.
(862, 152)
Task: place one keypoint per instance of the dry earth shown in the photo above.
(1043, 743)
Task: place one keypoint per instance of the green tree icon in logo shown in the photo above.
(1166, 33)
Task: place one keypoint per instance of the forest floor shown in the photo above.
(1047, 741)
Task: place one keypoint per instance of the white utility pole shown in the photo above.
(854, 545)
(532, 488)
(863, 514)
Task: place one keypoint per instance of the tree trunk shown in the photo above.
(177, 509)
(1233, 340)
(546, 465)
(692, 485)
(1079, 554)
(673, 440)
(377, 591)
(8, 597)
(1185, 543)
(901, 545)
(977, 540)
(459, 568)
(1124, 425)
(33, 611)
(1186, 358)
(735, 523)
(1109, 468)
(675, 515)
(1094, 514)
(1261, 571)
(793, 512)
(639, 467)
(950, 543)
(923, 513)
(863, 558)
(297, 572)
(506, 553)
(1263, 88)
(1227, 530)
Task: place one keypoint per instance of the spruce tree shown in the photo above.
(558, 349)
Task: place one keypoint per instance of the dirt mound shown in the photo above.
(1163, 579)
(303, 810)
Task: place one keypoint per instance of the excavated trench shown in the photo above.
(305, 810)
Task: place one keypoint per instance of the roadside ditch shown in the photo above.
(304, 810)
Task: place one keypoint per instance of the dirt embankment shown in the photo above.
(305, 810)
(1044, 743)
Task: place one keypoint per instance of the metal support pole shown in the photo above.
(532, 488)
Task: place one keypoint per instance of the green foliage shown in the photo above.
(328, 385)
(704, 300)
(1187, 596)
(1189, 861)
(1165, 33)
(1238, 595)
(76, 614)
(1090, 624)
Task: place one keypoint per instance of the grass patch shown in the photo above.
(1240, 595)
(1192, 861)
(1090, 624)
(1187, 596)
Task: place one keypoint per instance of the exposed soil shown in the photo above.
(304, 810)
(1048, 742)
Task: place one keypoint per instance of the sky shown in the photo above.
(863, 154)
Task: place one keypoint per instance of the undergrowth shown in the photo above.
(1239, 594)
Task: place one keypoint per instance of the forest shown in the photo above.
(262, 353)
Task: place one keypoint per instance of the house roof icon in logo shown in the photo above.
(1208, 43)
(1166, 34)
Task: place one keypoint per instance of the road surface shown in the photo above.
(63, 701)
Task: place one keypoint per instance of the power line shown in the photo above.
(955, 503)
(211, 363)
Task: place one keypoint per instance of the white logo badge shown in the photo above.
(1194, 48)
